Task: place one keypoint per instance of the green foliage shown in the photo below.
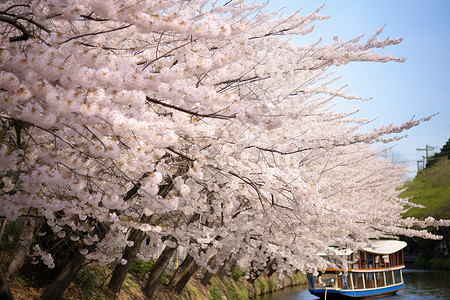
(26, 281)
(421, 260)
(192, 290)
(445, 152)
(214, 294)
(235, 290)
(431, 188)
(295, 279)
(432, 263)
(272, 283)
(242, 292)
(165, 278)
(142, 267)
(237, 273)
(85, 279)
(12, 230)
(93, 296)
(262, 285)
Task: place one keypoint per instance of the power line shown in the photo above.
(424, 163)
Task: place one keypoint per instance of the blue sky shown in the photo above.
(418, 87)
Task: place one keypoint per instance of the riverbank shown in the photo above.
(424, 262)
(91, 284)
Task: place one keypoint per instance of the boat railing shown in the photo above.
(357, 279)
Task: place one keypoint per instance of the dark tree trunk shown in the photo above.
(179, 286)
(267, 269)
(2, 230)
(5, 292)
(179, 273)
(228, 266)
(160, 265)
(59, 285)
(120, 271)
(254, 274)
(270, 268)
(22, 247)
(223, 269)
(208, 275)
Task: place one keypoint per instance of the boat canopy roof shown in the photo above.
(382, 247)
(385, 246)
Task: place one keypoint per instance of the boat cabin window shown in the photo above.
(377, 261)
(353, 260)
(370, 260)
(327, 279)
(380, 279)
(400, 258)
(369, 280)
(389, 278)
(385, 260)
(394, 259)
(357, 280)
(398, 276)
(363, 260)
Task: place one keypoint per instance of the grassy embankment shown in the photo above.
(91, 283)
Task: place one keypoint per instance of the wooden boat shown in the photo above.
(372, 272)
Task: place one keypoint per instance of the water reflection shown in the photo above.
(419, 284)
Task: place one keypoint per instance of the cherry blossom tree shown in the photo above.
(194, 121)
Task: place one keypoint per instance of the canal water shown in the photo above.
(419, 285)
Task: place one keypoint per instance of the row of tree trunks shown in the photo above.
(137, 237)
(208, 275)
(179, 286)
(55, 290)
(181, 271)
(161, 264)
(68, 274)
(159, 268)
(120, 271)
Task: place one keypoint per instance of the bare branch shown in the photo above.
(197, 114)
(14, 21)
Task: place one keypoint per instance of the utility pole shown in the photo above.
(427, 149)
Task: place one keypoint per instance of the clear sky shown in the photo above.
(418, 87)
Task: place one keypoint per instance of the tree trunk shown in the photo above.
(208, 275)
(160, 265)
(179, 286)
(228, 266)
(5, 292)
(253, 275)
(2, 231)
(68, 274)
(270, 269)
(120, 271)
(258, 272)
(22, 247)
(179, 273)
(59, 285)
(223, 269)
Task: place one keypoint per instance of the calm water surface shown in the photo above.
(419, 284)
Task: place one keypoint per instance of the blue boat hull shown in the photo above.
(355, 294)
